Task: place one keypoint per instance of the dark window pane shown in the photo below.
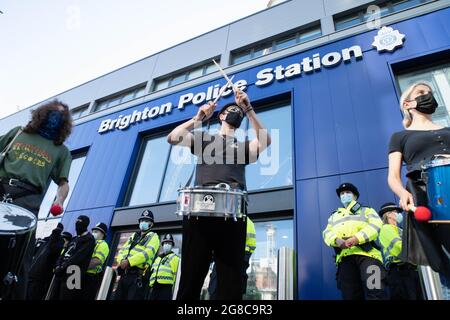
(178, 79)
(347, 22)
(179, 168)
(161, 84)
(262, 50)
(286, 42)
(274, 166)
(150, 172)
(241, 57)
(310, 34)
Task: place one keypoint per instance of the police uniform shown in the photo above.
(402, 278)
(360, 273)
(140, 251)
(94, 274)
(163, 273)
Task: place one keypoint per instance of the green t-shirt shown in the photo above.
(33, 159)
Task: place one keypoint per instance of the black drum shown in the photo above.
(17, 226)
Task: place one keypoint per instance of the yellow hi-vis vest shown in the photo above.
(142, 253)
(250, 242)
(391, 243)
(101, 252)
(164, 269)
(365, 225)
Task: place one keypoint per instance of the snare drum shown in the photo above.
(216, 201)
(437, 178)
(17, 225)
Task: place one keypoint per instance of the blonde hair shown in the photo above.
(407, 116)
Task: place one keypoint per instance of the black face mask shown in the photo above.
(234, 119)
(80, 228)
(426, 103)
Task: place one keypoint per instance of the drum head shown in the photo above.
(14, 219)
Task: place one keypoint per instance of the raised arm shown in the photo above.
(262, 140)
(182, 135)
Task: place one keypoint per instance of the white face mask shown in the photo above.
(96, 235)
(167, 247)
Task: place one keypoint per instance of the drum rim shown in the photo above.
(22, 230)
(222, 191)
(437, 163)
(210, 214)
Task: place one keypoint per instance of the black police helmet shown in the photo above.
(389, 206)
(146, 214)
(346, 186)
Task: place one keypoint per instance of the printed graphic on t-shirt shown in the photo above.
(32, 154)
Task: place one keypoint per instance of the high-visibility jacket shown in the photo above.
(143, 253)
(101, 252)
(364, 224)
(250, 242)
(164, 269)
(391, 242)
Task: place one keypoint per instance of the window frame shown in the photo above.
(273, 42)
(204, 66)
(361, 11)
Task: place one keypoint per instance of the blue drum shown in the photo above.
(438, 189)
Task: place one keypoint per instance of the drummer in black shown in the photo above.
(421, 140)
(221, 159)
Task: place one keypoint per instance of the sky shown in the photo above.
(49, 46)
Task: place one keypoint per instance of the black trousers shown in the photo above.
(212, 288)
(130, 287)
(72, 294)
(403, 283)
(202, 237)
(92, 284)
(356, 278)
(37, 289)
(161, 292)
(31, 202)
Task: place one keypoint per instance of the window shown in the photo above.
(279, 43)
(80, 112)
(439, 79)
(150, 171)
(44, 227)
(274, 166)
(121, 98)
(263, 270)
(386, 7)
(180, 77)
(262, 273)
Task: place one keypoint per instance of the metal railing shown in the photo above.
(286, 273)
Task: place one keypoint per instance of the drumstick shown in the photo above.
(221, 91)
(223, 73)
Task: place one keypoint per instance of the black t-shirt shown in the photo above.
(416, 145)
(221, 159)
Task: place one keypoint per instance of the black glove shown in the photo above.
(59, 271)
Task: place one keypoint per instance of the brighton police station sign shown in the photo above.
(386, 39)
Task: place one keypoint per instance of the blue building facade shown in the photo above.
(339, 116)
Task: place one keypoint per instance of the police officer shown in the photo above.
(164, 271)
(77, 254)
(250, 247)
(402, 278)
(101, 252)
(351, 231)
(136, 255)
